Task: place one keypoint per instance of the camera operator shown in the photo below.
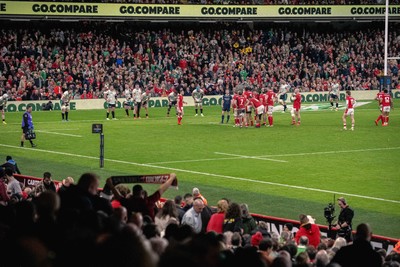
(344, 223)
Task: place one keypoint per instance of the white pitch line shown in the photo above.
(250, 157)
(331, 152)
(192, 160)
(47, 132)
(209, 174)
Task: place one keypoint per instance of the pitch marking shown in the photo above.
(209, 174)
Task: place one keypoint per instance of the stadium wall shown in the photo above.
(313, 97)
(275, 224)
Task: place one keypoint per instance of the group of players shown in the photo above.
(243, 103)
(135, 100)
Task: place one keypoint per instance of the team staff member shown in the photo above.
(3, 103)
(344, 223)
(27, 125)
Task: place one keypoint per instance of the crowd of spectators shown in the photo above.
(243, 2)
(77, 225)
(40, 62)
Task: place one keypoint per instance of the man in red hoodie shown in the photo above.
(308, 229)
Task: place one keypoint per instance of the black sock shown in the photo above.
(201, 111)
(22, 143)
(31, 142)
(196, 110)
(62, 115)
(108, 114)
(113, 114)
(284, 107)
(332, 104)
(66, 115)
(337, 105)
(222, 119)
(227, 118)
(127, 113)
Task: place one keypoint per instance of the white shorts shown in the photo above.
(386, 109)
(270, 109)
(260, 110)
(349, 111)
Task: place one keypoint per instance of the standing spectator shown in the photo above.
(360, 253)
(10, 163)
(138, 202)
(344, 223)
(66, 183)
(310, 230)
(27, 125)
(46, 184)
(216, 222)
(4, 198)
(188, 200)
(233, 219)
(14, 189)
(249, 224)
(193, 216)
(196, 194)
(296, 98)
(350, 104)
(179, 208)
(166, 215)
(3, 106)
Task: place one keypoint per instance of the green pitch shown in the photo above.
(281, 171)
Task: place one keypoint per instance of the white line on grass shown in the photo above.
(250, 157)
(47, 132)
(209, 174)
(192, 160)
(328, 152)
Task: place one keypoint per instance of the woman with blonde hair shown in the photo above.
(216, 222)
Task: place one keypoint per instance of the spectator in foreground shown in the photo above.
(193, 216)
(138, 202)
(46, 184)
(360, 253)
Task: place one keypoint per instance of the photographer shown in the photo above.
(344, 223)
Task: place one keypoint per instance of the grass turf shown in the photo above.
(281, 171)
